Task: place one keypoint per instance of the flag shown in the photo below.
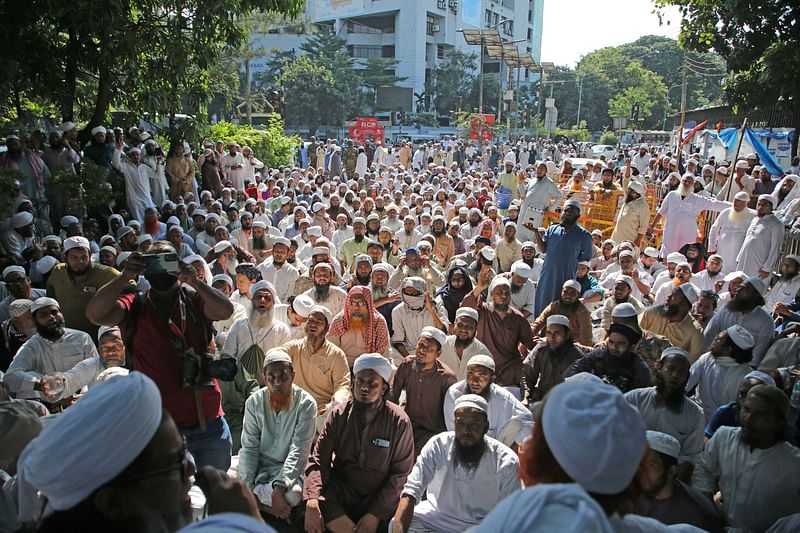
(694, 130)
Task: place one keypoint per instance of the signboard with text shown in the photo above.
(482, 128)
(366, 128)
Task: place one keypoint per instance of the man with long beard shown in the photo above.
(362, 457)
(784, 291)
(621, 294)
(323, 292)
(205, 240)
(711, 276)
(384, 298)
(417, 264)
(443, 245)
(226, 261)
(244, 233)
(355, 245)
(568, 305)
(540, 194)
(683, 276)
(666, 408)
(363, 271)
(460, 347)
(544, 367)
(278, 271)
(729, 230)
(674, 321)
(416, 311)
(409, 236)
(523, 289)
(465, 473)
(259, 243)
(472, 228)
(276, 438)
(359, 328)
(510, 421)
(634, 217)
(681, 208)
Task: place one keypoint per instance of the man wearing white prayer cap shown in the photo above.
(523, 289)
(137, 182)
(278, 271)
(544, 367)
(325, 292)
(425, 381)
(362, 457)
(19, 236)
(462, 345)
(729, 414)
(510, 421)
(634, 217)
(294, 314)
(456, 502)
(746, 309)
(539, 194)
(569, 305)
(674, 320)
(18, 285)
(763, 241)
(40, 363)
(729, 230)
(669, 499)
(277, 436)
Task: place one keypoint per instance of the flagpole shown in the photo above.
(735, 158)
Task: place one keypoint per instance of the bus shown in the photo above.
(656, 137)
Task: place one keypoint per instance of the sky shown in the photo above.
(573, 28)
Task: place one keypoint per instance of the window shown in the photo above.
(439, 52)
(508, 28)
(488, 17)
(364, 52)
(430, 22)
(530, 34)
(387, 51)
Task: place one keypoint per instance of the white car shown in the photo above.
(605, 150)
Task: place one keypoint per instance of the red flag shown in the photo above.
(694, 130)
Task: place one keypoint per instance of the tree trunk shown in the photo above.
(70, 78)
(247, 90)
(101, 104)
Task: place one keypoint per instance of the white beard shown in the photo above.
(738, 216)
(259, 320)
(685, 191)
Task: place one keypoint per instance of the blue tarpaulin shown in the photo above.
(764, 156)
(728, 136)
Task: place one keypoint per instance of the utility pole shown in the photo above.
(480, 88)
(683, 109)
(580, 95)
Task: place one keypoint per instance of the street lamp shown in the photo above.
(482, 38)
(502, 51)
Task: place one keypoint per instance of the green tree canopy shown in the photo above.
(379, 72)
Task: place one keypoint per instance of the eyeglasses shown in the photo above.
(181, 464)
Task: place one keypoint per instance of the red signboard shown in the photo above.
(482, 129)
(366, 128)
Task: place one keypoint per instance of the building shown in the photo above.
(419, 33)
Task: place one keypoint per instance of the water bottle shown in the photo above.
(794, 401)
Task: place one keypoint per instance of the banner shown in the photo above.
(482, 129)
(366, 128)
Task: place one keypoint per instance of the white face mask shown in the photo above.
(415, 303)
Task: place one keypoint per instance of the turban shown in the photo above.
(21, 219)
(376, 362)
(93, 441)
(596, 436)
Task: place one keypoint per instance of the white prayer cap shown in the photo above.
(260, 224)
(228, 523)
(360, 258)
(488, 253)
(740, 337)
(314, 231)
(276, 356)
(751, 155)
(66, 220)
(222, 277)
(497, 281)
(650, 252)
(109, 249)
(122, 257)
(663, 443)
(359, 220)
(623, 310)
(213, 216)
(144, 237)
(302, 305)
(482, 360)
(327, 266)
(676, 257)
(723, 171)
(522, 269)
(19, 307)
(434, 333)
(690, 291)
(467, 312)
(572, 284)
(221, 246)
(510, 158)
(67, 126)
(76, 242)
(573, 203)
(106, 329)
(317, 206)
(98, 129)
(382, 267)
(596, 436)
(122, 231)
(112, 372)
(584, 377)
(626, 280)
(57, 462)
(612, 242)
(717, 257)
(323, 310)
(281, 240)
(637, 187)
(795, 258)
(376, 362)
(626, 253)
(597, 232)
(558, 320)
(763, 377)
(284, 200)
(768, 198)
(51, 238)
(12, 270)
(758, 284)
(735, 275)
(742, 164)
(471, 401)
(21, 219)
(134, 150)
(42, 302)
(674, 351)
(263, 285)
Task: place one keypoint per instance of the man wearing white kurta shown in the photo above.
(787, 287)
(763, 241)
(681, 208)
(277, 271)
(459, 493)
(137, 182)
(540, 194)
(233, 167)
(634, 217)
(729, 230)
(465, 326)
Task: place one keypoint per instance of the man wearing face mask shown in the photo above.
(169, 326)
(416, 311)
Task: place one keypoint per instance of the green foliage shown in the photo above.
(423, 119)
(7, 178)
(608, 137)
(310, 94)
(76, 194)
(270, 145)
(379, 72)
(451, 80)
(575, 133)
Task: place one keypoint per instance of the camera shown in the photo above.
(199, 370)
(167, 263)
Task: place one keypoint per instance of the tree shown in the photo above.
(379, 72)
(757, 40)
(311, 95)
(450, 80)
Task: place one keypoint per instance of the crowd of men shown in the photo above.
(408, 339)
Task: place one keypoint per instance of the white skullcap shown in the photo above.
(21, 219)
(46, 264)
(742, 164)
(123, 256)
(482, 360)
(281, 240)
(740, 337)
(572, 284)
(106, 329)
(558, 320)
(497, 281)
(98, 129)
(758, 284)
(488, 253)
(122, 231)
(263, 285)
(650, 252)
(276, 356)
(735, 275)
(663, 443)
(43, 302)
(13, 269)
(471, 401)
(324, 311)
(467, 312)
(67, 126)
(66, 220)
(260, 224)
(742, 195)
(57, 462)
(19, 307)
(690, 291)
(109, 249)
(213, 216)
(221, 246)
(522, 269)
(763, 377)
(52, 238)
(144, 237)
(317, 206)
(623, 310)
(228, 523)
(359, 220)
(434, 333)
(584, 377)
(322, 250)
(676, 257)
(768, 198)
(793, 257)
(222, 277)
(626, 253)
(723, 171)
(302, 305)
(376, 362)
(314, 231)
(674, 351)
(573, 203)
(612, 242)
(596, 436)
(111, 372)
(597, 232)
(627, 280)
(134, 150)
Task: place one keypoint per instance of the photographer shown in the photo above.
(171, 325)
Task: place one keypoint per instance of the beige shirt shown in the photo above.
(323, 373)
(632, 221)
(686, 334)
